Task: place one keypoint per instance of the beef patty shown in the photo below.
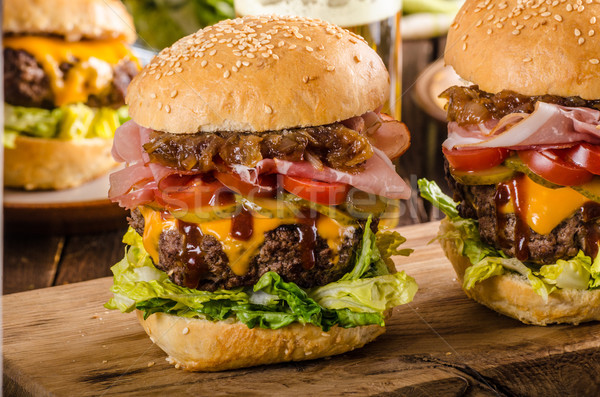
(281, 253)
(27, 84)
(577, 232)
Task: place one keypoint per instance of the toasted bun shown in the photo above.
(531, 47)
(72, 19)
(202, 345)
(37, 163)
(259, 74)
(512, 295)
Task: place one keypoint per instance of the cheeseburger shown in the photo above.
(66, 68)
(258, 168)
(523, 159)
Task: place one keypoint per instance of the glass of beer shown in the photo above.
(378, 21)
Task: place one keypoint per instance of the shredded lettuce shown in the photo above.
(579, 272)
(361, 297)
(74, 121)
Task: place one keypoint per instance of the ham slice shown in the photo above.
(138, 183)
(383, 132)
(378, 177)
(548, 126)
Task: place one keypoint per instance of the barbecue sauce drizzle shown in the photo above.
(307, 233)
(242, 228)
(515, 189)
(191, 255)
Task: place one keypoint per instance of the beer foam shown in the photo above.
(344, 13)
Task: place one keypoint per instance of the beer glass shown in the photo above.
(378, 21)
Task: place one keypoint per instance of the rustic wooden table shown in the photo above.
(38, 261)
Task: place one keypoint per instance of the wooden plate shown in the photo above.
(431, 83)
(83, 209)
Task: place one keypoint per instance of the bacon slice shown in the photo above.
(548, 126)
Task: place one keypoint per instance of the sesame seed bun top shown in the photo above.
(72, 19)
(533, 47)
(259, 74)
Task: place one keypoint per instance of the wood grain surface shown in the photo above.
(61, 341)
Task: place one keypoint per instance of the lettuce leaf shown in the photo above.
(271, 302)
(579, 272)
(74, 121)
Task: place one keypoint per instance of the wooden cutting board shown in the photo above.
(61, 341)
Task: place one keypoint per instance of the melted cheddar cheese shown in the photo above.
(239, 252)
(92, 70)
(543, 208)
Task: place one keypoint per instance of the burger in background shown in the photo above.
(67, 65)
(523, 159)
(258, 167)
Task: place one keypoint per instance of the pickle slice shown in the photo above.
(206, 214)
(491, 176)
(590, 190)
(516, 164)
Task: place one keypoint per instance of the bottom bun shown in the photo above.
(512, 295)
(39, 163)
(203, 345)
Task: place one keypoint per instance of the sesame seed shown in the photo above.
(150, 364)
(305, 79)
(516, 32)
(580, 41)
(292, 47)
(212, 52)
(275, 56)
(309, 49)
(464, 47)
(226, 74)
(528, 59)
(591, 32)
(593, 20)
(219, 65)
(234, 69)
(330, 68)
(203, 63)
(168, 108)
(159, 105)
(577, 32)
(250, 55)
(594, 61)
(152, 95)
(558, 17)
(268, 109)
(185, 331)
(173, 93)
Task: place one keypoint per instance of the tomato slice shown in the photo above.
(265, 188)
(586, 156)
(475, 159)
(550, 166)
(190, 192)
(325, 193)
